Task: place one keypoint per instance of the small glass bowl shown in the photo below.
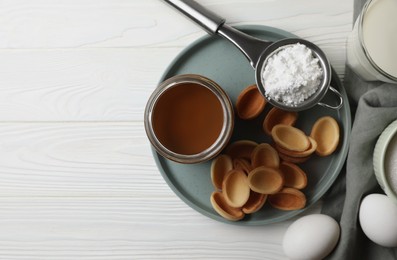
(227, 126)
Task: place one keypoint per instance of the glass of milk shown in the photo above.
(372, 45)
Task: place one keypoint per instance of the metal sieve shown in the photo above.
(258, 51)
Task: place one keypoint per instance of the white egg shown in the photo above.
(311, 237)
(378, 219)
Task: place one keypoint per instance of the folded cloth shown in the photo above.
(375, 107)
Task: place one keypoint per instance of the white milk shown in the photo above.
(375, 31)
(380, 34)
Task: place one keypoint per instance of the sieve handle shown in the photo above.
(202, 16)
(340, 100)
(250, 46)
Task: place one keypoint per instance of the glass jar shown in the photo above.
(371, 46)
(189, 118)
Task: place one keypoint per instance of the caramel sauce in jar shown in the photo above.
(189, 118)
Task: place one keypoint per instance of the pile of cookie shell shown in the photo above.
(249, 174)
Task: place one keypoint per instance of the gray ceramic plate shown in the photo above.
(220, 61)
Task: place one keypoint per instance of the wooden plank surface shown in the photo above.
(127, 228)
(151, 23)
(79, 84)
(77, 159)
(77, 177)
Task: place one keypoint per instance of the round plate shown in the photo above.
(219, 60)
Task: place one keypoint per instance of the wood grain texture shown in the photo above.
(127, 228)
(77, 159)
(79, 85)
(123, 23)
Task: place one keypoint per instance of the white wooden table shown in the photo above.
(77, 178)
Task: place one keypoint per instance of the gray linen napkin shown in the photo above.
(375, 106)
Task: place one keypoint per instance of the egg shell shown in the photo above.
(378, 219)
(311, 237)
